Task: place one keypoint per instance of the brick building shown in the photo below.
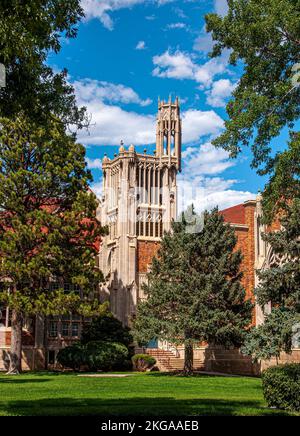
(139, 202)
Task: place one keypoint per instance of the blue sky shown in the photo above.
(130, 52)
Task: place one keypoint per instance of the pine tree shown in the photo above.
(194, 290)
(280, 286)
(48, 227)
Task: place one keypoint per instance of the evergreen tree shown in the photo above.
(48, 227)
(106, 328)
(194, 291)
(265, 101)
(280, 286)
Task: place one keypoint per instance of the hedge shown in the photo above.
(281, 386)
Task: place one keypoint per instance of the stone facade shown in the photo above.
(139, 202)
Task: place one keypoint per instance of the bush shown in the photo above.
(106, 328)
(105, 356)
(95, 355)
(142, 362)
(281, 386)
(72, 357)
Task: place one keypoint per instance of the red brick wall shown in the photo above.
(27, 338)
(246, 243)
(250, 250)
(146, 250)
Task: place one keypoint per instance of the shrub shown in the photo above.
(281, 386)
(72, 356)
(105, 356)
(106, 328)
(142, 362)
(95, 355)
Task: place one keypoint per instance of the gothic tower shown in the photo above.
(139, 202)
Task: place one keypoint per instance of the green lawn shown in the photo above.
(148, 394)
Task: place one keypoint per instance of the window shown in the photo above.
(65, 326)
(53, 329)
(2, 316)
(75, 329)
(65, 329)
(67, 287)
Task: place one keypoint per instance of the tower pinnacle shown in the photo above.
(168, 130)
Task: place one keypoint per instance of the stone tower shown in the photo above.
(139, 202)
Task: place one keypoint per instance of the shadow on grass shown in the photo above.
(138, 406)
(16, 380)
(194, 375)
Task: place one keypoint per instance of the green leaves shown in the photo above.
(28, 32)
(264, 36)
(284, 185)
(48, 226)
(279, 288)
(194, 290)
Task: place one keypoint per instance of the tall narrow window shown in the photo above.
(53, 329)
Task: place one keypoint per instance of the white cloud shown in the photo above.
(101, 9)
(97, 188)
(221, 89)
(141, 45)
(204, 42)
(221, 7)
(201, 182)
(110, 123)
(94, 163)
(197, 124)
(88, 89)
(180, 65)
(176, 66)
(176, 26)
(205, 160)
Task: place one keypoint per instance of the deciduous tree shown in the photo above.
(263, 37)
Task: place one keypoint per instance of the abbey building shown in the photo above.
(138, 203)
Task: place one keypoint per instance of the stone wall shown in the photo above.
(32, 358)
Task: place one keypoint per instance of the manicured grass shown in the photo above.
(141, 394)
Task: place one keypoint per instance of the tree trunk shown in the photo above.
(15, 354)
(188, 357)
